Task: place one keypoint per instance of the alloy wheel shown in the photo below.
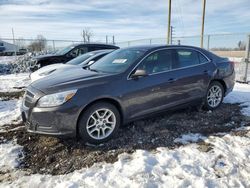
(101, 123)
(214, 96)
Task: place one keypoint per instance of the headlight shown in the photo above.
(56, 99)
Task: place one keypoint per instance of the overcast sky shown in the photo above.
(126, 19)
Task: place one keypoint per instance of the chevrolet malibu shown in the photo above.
(125, 85)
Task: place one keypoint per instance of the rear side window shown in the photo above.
(157, 62)
(186, 58)
(202, 58)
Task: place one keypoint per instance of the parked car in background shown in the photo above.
(82, 60)
(123, 86)
(66, 54)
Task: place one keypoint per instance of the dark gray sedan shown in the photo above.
(123, 86)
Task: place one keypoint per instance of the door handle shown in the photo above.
(156, 89)
(171, 80)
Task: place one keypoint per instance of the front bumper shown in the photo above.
(57, 121)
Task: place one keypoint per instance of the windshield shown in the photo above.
(64, 50)
(78, 60)
(117, 61)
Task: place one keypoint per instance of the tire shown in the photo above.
(214, 96)
(96, 130)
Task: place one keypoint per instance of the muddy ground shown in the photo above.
(50, 155)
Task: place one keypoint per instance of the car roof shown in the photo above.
(159, 46)
(95, 44)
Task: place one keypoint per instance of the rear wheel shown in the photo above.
(215, 95)
(99, 123)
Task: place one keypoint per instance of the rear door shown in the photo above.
(192, 74)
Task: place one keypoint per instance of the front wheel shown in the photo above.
(99, 123)
(215, 95)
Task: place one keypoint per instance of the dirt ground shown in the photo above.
(50, 155)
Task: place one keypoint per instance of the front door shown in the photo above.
(148, 93)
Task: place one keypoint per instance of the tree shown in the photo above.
(86, 35)
(241, 45)
(39, 44)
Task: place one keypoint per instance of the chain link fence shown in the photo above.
(234, 46)
(21, 46)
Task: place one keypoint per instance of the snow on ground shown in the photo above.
(236, 59)
(227, 164)
(9, 156)
(9, 112)
(14, 82)
(7, 59)
(190, 138)
(240, 94)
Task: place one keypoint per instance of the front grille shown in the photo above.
(28, 98)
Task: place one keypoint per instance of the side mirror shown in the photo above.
(139, 73)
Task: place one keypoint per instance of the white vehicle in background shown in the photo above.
(83, 60)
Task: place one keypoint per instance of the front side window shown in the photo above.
(157, 62)
(186, 58)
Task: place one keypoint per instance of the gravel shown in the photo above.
(51, 155)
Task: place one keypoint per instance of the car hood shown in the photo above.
(48, 68)
(66, 79)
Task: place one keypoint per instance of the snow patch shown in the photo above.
(236, 59)
(9, 112)
(9, 156)
(240, 94)
(14, 82)
(7, 59)
(189, 138)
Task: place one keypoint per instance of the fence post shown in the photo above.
(208, 42)
(247, 58)
(150, 41)
(54, 47)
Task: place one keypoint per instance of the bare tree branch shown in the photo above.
(86, 35)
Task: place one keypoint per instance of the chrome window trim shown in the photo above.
(170, 48)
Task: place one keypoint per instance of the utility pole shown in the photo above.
(13, 35)
(203, 20)
(113, 39)
(107, 39)
(169, 21)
